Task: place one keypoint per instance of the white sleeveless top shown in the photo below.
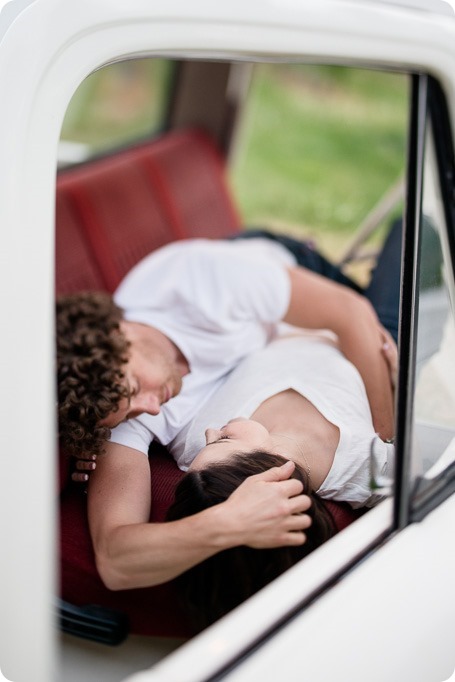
(311, 364)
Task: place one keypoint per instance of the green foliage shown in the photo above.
(320, 145)
(119, 104)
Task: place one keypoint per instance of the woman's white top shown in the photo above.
(312, 365)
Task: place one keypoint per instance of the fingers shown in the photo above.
(83, 467)
(389, 352)
(268, 510)
(389, 349)
(79, 478)
(298, 522)
(290, 488)
(299, 504)
(85, 457)
(277, 473)
(382, 333)
(388, 342)
(293, 535)
(293, 540)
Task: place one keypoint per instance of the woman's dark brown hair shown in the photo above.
(91, 353)
(218, 584)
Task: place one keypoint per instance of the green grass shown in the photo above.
(321, 145)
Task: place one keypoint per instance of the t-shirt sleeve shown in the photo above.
(133, 434)
(209, 283)
(229, 283)
(262, 288)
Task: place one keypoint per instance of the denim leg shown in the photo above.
(383, 290)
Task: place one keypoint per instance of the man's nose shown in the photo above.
(147, 403)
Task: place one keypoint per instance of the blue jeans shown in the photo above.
(383, 290)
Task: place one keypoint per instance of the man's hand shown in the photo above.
(82, 467)
(267, 510)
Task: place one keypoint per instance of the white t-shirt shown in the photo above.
(311, 364)
(218, 301)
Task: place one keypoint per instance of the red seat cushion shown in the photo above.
(152, 611)
(113, 211)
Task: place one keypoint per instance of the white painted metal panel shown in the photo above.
(392, 618)
(46, 48)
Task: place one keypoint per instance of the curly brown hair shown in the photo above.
(91, 353)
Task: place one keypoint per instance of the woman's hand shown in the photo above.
(82, 468)
(267, 510)
(390, 352)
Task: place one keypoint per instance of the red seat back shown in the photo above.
(109, 214)
(113, 211)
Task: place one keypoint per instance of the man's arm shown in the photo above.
(319, 303)
(265, 511)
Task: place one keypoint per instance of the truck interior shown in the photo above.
(127, 126)
(156, 150)
(167, 177)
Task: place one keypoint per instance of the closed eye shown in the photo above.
(220, 440)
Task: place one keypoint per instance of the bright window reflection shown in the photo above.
(116, 105)
(434, 409)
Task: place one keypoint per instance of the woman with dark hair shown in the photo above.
(300, 400)
(219, 584)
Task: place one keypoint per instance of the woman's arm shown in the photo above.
(265, 511)
(318, 303)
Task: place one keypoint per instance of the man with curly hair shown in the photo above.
(91, 353)
(140, 366)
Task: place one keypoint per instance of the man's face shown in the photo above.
(152, 377)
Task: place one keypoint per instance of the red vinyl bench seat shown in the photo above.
(110, 213)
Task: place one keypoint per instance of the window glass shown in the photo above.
(434, 407)
(320, 146)
(317, 151)
(115, 105)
